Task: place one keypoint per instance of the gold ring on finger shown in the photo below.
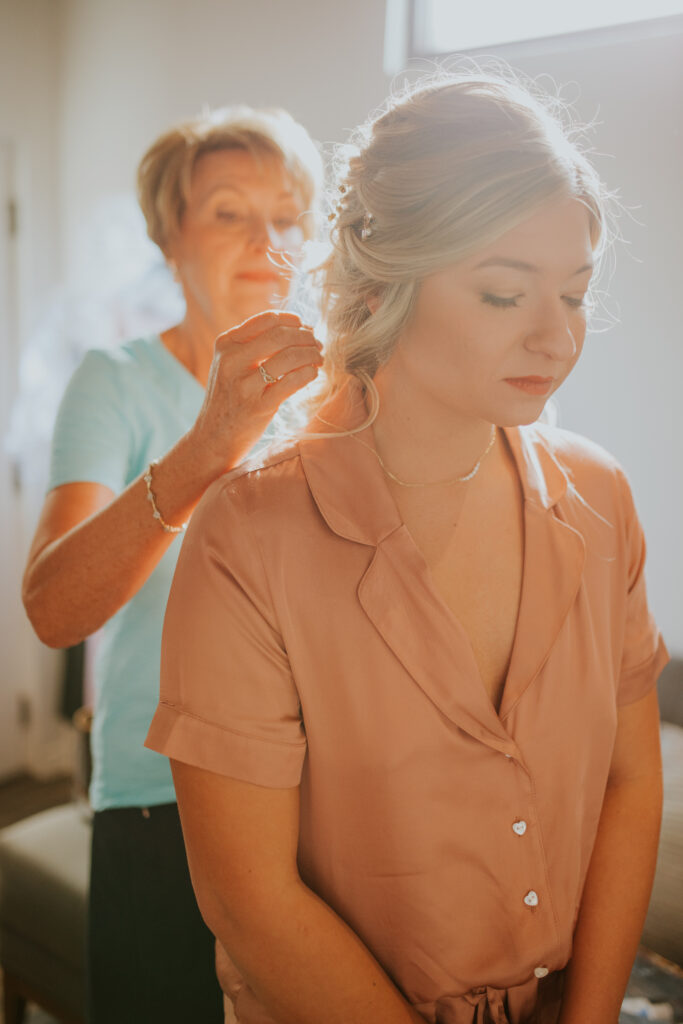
(267, 377)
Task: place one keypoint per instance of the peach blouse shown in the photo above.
(305, 644)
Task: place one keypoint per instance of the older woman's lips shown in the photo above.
(532, 385)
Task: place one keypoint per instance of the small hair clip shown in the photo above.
(368, 225)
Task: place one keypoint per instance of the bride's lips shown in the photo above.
(259, 275)
(532, 385)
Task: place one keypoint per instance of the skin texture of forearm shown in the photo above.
(305, 965)
(614, 902)
(92, 551)
(75, 583)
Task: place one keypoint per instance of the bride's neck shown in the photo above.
(420, 438)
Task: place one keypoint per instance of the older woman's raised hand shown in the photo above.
(256, 366)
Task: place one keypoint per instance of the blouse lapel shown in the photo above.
(554, 554)
(399, 599)
(396, 593)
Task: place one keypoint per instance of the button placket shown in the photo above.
(519, 827)
(529, 863)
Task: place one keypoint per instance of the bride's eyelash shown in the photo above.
(498, 300)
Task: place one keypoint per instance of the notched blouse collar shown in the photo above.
(348, 485)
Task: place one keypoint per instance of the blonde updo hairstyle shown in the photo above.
(447, 168)
(165, 171)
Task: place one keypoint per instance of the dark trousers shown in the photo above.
(150, 955)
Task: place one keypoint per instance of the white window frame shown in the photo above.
(402, 41)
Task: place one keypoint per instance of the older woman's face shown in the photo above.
(239, 230)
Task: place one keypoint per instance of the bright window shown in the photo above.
(445, 26)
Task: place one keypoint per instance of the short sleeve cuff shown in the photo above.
(192, 740)
(92, 436)
(637, 682)
(90, 470)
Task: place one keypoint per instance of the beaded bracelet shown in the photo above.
(152, 500)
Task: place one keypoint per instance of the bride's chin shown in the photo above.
(519, 420)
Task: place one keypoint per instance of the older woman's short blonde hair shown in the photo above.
(165, 171)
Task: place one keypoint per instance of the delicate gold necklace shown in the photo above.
(431, 483)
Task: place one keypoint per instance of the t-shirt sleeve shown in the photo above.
(228, 701)
(92, 436)
(644, 653)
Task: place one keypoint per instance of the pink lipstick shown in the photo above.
(260, 276)
(532, 385)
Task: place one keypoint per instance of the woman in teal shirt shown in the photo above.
(141, 433)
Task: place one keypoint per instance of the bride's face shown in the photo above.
(492, 337)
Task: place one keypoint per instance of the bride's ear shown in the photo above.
(373, 302)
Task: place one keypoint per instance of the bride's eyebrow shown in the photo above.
(501, 261)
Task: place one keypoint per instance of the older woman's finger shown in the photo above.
(279, 350)
(288, 359)
(275, 394)
(262, 378)
(255, 326)
(267, 344)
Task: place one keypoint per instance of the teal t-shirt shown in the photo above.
(121, 409)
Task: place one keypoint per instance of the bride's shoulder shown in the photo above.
(568, 447)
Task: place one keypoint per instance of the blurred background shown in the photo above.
(85, 85)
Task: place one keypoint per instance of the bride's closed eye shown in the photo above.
(499, 300)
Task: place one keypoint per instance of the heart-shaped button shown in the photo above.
(519, 828)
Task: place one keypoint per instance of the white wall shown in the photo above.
(626, 392)
(131, 69)
(30, 74)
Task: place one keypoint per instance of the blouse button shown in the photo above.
(540, 972)
(519, 828)
(531, 898)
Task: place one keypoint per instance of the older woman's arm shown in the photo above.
(302, 962)
(619, 880)
(93, 551)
